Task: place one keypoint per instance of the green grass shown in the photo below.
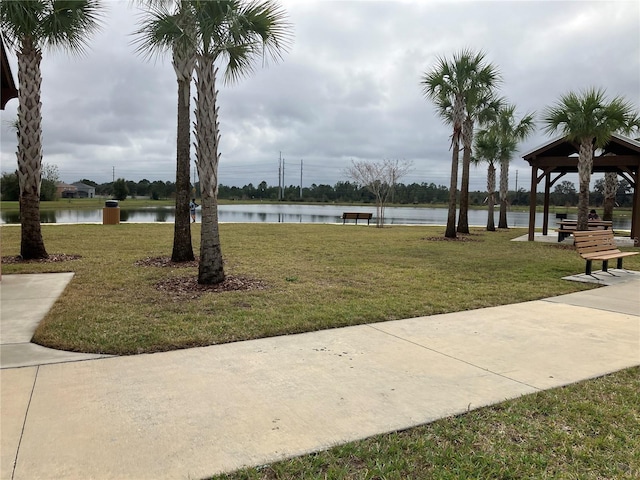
(589, 430)
(316, 276)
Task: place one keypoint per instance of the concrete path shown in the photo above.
(26, 299)
(192, 413)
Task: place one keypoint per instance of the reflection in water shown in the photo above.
(293, 213)
(11, 217)
(162, 215)
(48, 216)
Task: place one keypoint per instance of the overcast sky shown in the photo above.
(348, 89)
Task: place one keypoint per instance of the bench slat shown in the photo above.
(611, 256)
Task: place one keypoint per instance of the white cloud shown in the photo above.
(348, 88)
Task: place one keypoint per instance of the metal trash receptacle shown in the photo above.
(111, 213)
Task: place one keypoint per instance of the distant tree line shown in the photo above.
(10, 187)
(564, 193)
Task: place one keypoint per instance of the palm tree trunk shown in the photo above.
(504, 191)
(610, 190)
(182, 246)
(467, 140)
(30, 149)
(585, 164)
(491, 187)
(458, 116)
(450, 231)
(210, 268)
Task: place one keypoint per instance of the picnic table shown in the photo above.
(567, 227)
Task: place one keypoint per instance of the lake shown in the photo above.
(295, 213)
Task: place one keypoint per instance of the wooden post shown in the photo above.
(547, 188)
(532, 203)
(635, 211)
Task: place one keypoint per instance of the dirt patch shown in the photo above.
(52, 258)
(459, 238)
(180, 288)
(165, 262)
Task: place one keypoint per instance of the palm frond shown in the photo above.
(67, 24)
(589, 115)
(20, 19)
(161, 29)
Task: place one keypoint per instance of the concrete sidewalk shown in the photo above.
(26, 299)
(192, 413)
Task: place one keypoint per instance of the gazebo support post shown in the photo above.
(547, 188)
(635, 217)
(532, 203)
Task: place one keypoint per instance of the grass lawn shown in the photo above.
(324, 276)
(315, 277)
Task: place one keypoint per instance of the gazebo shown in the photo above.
(9, 89)
(555, 159)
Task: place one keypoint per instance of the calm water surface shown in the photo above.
(293, 213)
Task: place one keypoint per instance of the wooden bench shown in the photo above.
(356, 216)
(598, 245)
(567, 227)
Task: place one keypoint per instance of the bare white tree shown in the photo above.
(380, 179)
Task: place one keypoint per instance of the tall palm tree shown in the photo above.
(487, 148)
(481, 106)
(168, 25)
(588, 119)
(29, 26)
(235, 34)
(511, 132)
(449, 85)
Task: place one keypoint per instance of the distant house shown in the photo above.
(64, 190)
(84, 190)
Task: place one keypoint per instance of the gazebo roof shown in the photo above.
(563, 155)
(9, 89)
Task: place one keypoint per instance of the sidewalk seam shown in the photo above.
(455, 358)
(590, 307)
(24, 423)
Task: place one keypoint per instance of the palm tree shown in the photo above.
(487, 148)
(449, 85)
(481, 106)
(235, 34)
(511, 132)
(168, 25)
(588, 120)
(29, 26)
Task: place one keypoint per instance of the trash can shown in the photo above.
(111, 213)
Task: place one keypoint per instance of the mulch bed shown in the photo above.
(164, 262)
(459, 238)
(180, 288)
(53, 258)
(188, 287)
